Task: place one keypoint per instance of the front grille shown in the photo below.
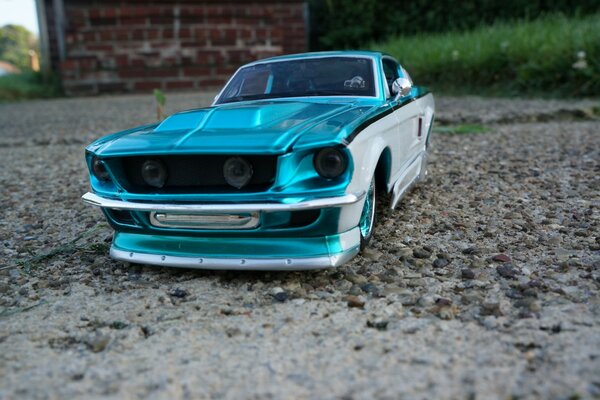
(197, 174)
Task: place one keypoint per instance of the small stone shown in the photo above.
(443, 301)
(426, 301)
(447, 312)
(501, 258)
(380, 325)
(4, 288)
(421, 253)
(440, 263)
(356, 278)
(467, 273)
(355, 301)
(507, 271)
(98, 342)
(371, 288)
(371, 254)
(470, 250)
(281, 296)
(491, 307)
(178, 293)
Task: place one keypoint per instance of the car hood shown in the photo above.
(265, 127)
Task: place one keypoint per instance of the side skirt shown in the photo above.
(411, 175)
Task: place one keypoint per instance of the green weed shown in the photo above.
(463, 129)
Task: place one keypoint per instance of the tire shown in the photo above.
(368, 216)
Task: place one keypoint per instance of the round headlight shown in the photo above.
(99, 170)
(154, 173)
(237, 172)
(330, 162)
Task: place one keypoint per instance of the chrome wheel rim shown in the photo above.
(368, 213)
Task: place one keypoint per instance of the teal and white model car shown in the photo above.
(281, 172)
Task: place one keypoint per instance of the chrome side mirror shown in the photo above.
(401, 87)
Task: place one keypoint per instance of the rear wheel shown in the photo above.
(368, 216)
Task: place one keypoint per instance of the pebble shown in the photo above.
(507, 271)
(467, 273)
(355, 301)
(4, 288)
(179, 293)
(98, 342)
(421, 253)
(501, 258)
(281, 296)
(380, 325)
(440, 263)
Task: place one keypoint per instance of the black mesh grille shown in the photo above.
(197, 174)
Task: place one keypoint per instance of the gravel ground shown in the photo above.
(483, 283)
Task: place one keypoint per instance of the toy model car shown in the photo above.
(281, 172)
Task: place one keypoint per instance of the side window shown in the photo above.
(391, 71)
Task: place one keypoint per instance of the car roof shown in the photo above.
(345, 53)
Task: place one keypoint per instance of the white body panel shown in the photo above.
(399, 133)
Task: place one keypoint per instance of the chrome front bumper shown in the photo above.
(231, 253)
(327, 202)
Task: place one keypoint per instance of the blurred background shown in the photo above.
(51, 48)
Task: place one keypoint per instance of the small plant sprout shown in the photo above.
(160, 104)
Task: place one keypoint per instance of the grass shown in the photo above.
(66, 248)
(553, 55)
(28, 85)
(464, 129)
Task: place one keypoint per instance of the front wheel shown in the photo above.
(368, 215)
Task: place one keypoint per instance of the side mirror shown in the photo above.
(401, 87)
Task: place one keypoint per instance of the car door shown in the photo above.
(408, 141)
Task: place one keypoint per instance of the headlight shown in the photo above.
(237, 172)
(99, 170)
(154, 173)
(330, 162)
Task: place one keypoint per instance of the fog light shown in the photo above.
(154, 173)
(237, 172)
(330, 162)
(99, 170)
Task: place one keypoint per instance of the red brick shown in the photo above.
(185, 33)
(212, 83)
(122, 34)
(146, 85)
(180, 84)
(138, 34)
(196, 71)
(152, 33)
(111, 87)
(109, 13)
(159, 72)
(132, 72)
(192, 11)
(106, 35)
(134, 21)
(99, 47)
(122, 60)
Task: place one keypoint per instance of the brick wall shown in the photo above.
(136, 46)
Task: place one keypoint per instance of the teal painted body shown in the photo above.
(290, 129)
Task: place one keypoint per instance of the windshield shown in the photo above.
(328, 76)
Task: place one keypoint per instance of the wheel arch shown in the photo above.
(383, 170)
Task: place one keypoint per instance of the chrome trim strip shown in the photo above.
(204, 221)
(95, 200)
(254, 264)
